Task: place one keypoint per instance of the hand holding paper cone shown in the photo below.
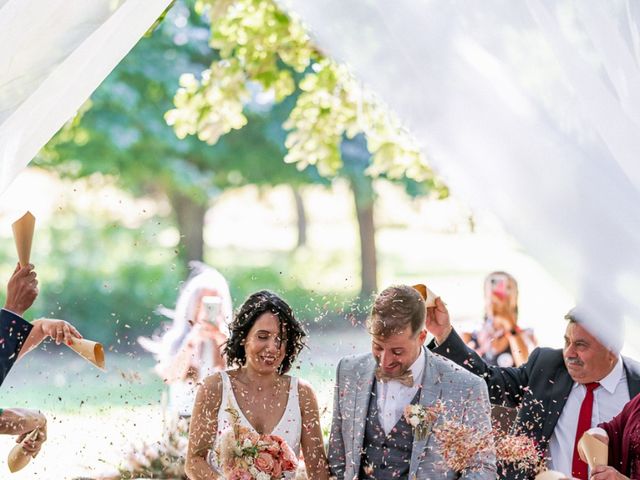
(23, 235)
(427, 295)
(92, 351)
(594, 451)
(18, 456)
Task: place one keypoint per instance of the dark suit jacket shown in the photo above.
(539, 388)
(14, 330)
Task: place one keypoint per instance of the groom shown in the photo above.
(370, 438)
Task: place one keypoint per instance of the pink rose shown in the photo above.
(239, 474)
(264, 462)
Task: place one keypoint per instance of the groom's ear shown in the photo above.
(422, 336)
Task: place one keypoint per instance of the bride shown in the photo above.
(265, 340)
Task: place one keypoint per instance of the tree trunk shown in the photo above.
(364, 199)
(301, 216)
(190, 218)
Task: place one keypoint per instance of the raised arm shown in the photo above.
(506, 385)
(336, 442)
(312, 443)
(203, 428)
(22, 289)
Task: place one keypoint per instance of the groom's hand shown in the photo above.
(437, 322)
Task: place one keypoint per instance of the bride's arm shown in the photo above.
(202, 432)
(315, 458)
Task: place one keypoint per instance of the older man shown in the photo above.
(560, 393)
(370, 438)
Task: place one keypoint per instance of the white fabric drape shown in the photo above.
(530, 109)
(53, 55)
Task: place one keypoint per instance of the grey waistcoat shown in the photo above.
(385, 456)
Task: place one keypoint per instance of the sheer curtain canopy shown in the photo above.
(53, 55)
(530, 109)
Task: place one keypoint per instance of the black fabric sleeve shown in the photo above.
(14, 330)
(506, 385)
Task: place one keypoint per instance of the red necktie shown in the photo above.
(579, 469)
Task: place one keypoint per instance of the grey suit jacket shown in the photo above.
(464, 395)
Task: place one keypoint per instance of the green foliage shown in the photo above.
(258, 43)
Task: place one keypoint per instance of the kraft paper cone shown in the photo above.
(92, 351)
(18, 458)
(427, 295)
(551, 475)
(23, 235)
(595, 451)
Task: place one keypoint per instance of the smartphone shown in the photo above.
(499, 287)
(212, 306)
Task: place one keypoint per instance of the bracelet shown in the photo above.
(515, 330)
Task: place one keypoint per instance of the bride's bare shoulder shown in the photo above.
(305, 391)
(212, 385)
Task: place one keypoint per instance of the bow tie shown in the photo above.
(405, 379)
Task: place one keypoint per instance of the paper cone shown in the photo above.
(92, 351)
(551, 475)
(23, 235)
(18, 458)
(595, 451)
(427, 295)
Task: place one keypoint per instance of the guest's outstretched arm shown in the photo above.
(506, 385)
(203, 428)
(58, 330)
(315, 458)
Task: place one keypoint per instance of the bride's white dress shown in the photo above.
(289, 427)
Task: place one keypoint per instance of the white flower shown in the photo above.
(247, 443)
(414, 421)
(254, 471)
(263, 476)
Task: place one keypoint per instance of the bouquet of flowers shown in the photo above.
(243, 454)
(422, 418)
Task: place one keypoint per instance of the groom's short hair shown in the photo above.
(394, 309)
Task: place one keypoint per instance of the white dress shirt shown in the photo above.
(608, 400)
(392, 396)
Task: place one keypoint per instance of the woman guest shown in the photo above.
(191, 349)
(622, 434)
(500, 341)
(265, 341)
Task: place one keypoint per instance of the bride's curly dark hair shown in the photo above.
(291, 331)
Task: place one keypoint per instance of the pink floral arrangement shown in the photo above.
(243, 454)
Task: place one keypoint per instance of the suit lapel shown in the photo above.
(361, 406)
(633, 380)
(431, 392)
(556, 400)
